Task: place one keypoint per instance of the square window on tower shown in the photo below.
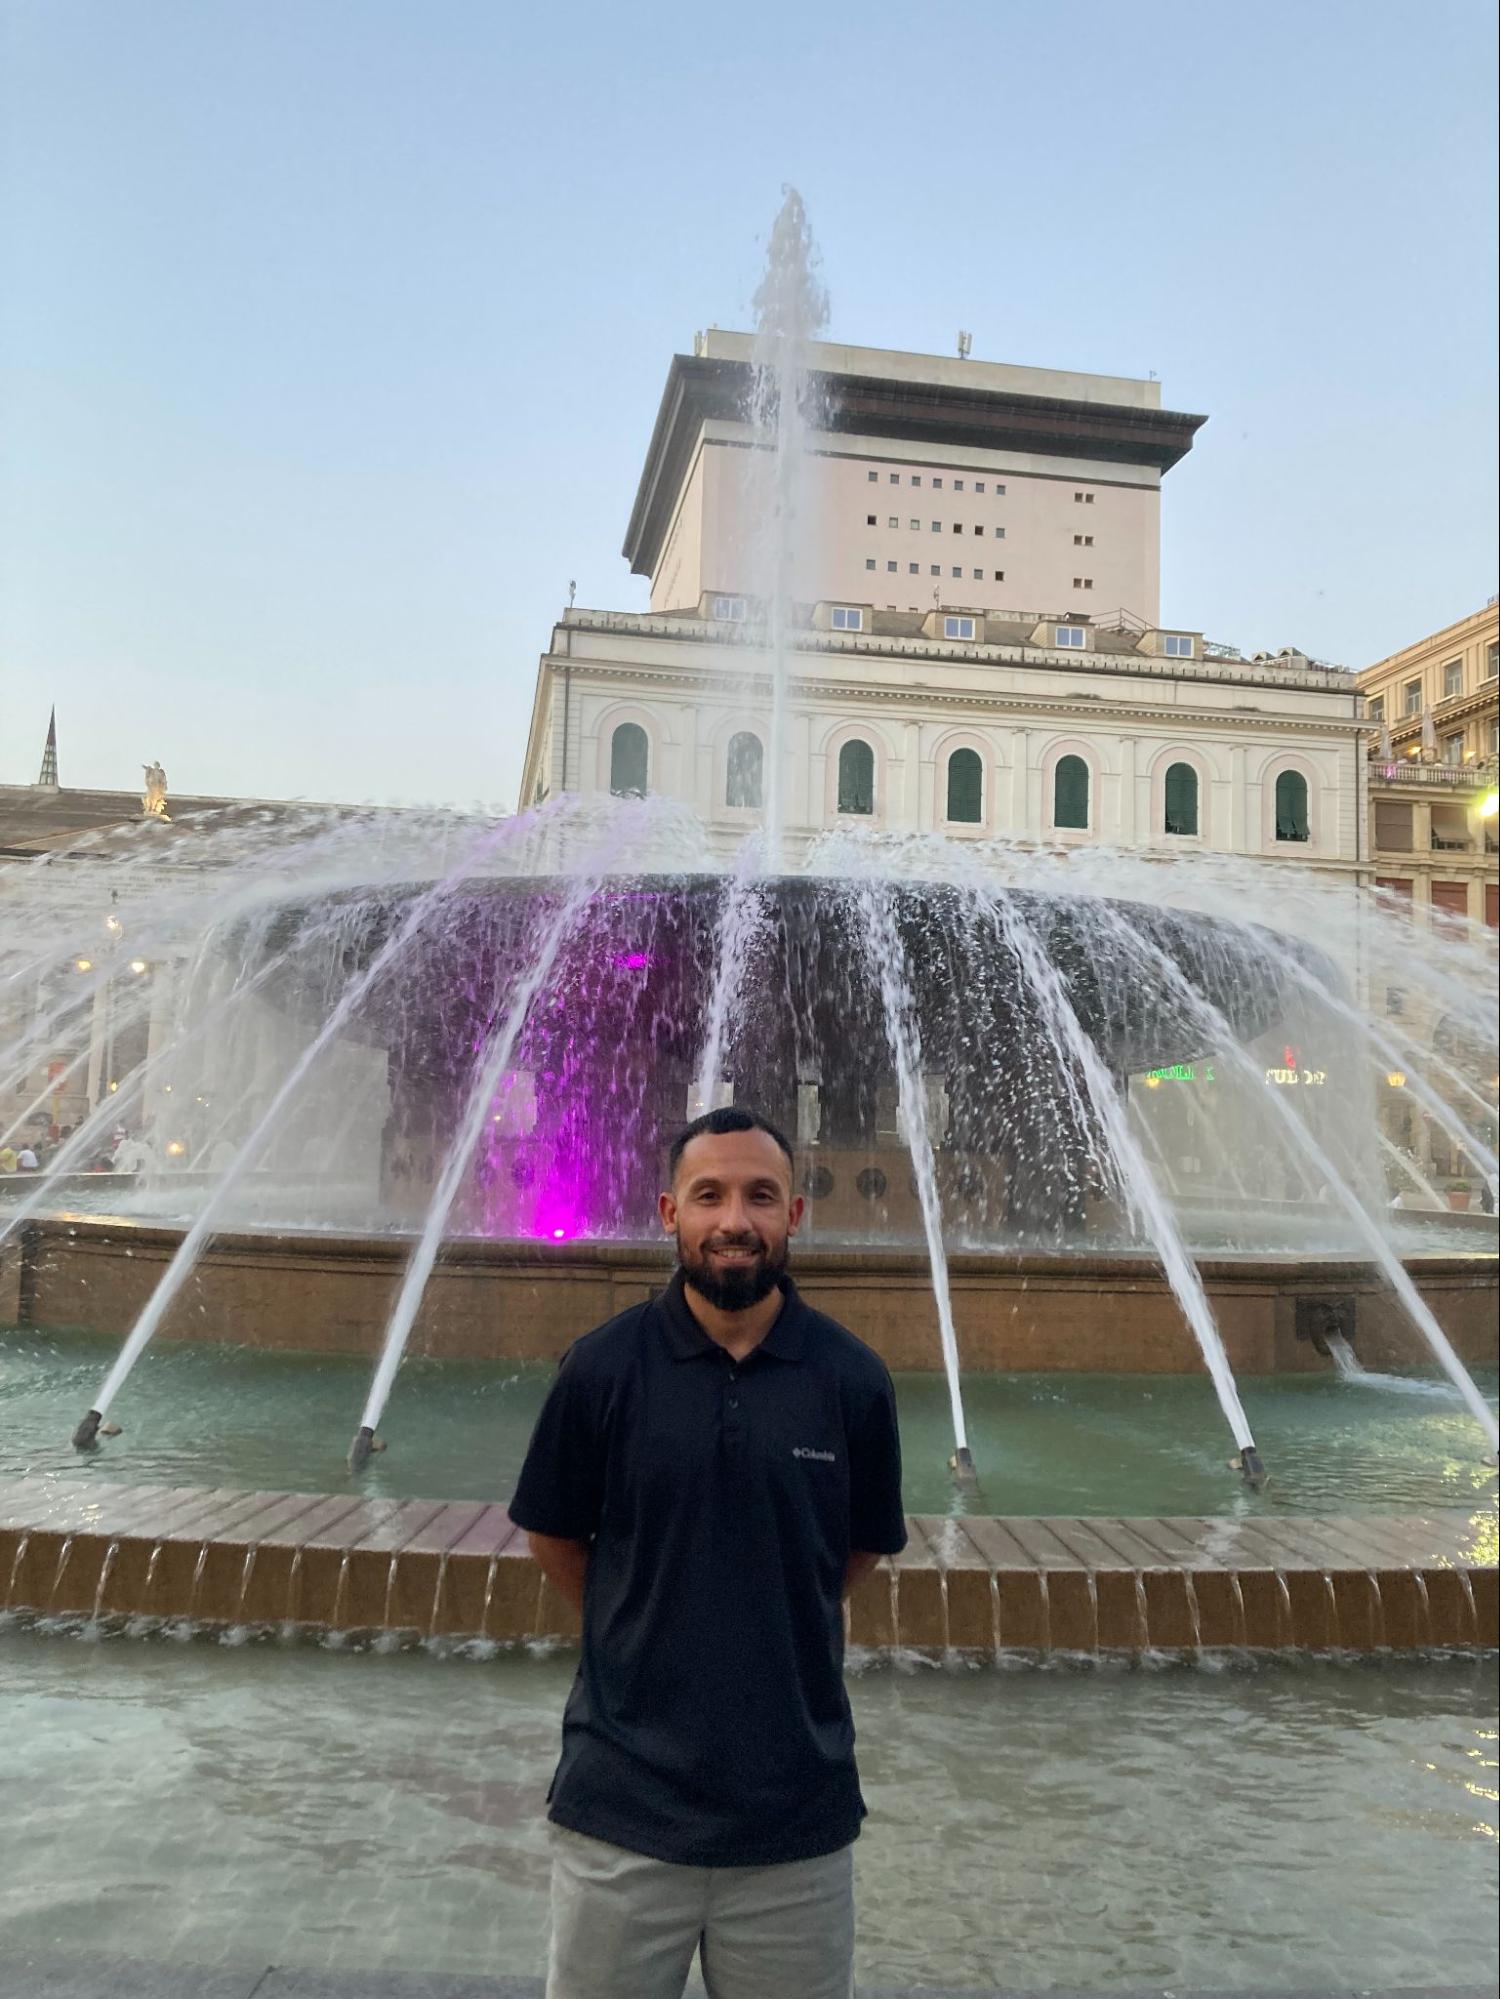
(915, 526)
(958, 573)
(999, 575)
(872, 477)
(895, 478)
(891, 521)
(958, 485)
(937, 483)
(935, 570)
(914, 569)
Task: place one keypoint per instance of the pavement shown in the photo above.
(71, 1976)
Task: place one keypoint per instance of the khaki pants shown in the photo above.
(626, 1927)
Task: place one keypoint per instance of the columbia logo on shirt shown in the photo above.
(823, 1457)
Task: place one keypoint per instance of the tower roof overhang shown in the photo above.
(700, 388)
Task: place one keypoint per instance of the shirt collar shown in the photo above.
(686, 1339)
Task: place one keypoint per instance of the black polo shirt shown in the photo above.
(708, 1723)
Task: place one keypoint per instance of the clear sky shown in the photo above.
(332, 331)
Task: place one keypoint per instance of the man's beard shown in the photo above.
(739, 1287)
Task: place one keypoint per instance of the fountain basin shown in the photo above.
(528, 1300)
(986, 1586)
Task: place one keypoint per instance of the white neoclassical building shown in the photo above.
(1053, 731)
(938, 495)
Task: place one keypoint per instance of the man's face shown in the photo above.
(733, 1213)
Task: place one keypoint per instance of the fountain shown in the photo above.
(393, 1053)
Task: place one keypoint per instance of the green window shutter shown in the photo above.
(857, 778)
(1291, 806)
(1182, 799)
(1070, 793)
(965, 788)
(746, 769)
(629, 760)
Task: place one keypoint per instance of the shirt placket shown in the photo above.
(732, 1386)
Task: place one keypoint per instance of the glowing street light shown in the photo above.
(1489, 805)
(83, 964)
(1397, 1079)
(137, 965)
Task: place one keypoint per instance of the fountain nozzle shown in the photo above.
(86, 1436)
(1254, 1471)
(961, 1464)
(365, 1441)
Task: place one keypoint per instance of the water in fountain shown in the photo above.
(893, 975)
(496, 1061)
(791, 310)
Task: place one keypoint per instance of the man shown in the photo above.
(711, 1473)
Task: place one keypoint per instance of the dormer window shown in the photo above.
(846, 618)
(1176, 645)
(1069, 637)
(958, 628)
(729, 610)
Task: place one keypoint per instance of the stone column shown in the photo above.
(1020, 783)
(1126, 819)
(98, 1039)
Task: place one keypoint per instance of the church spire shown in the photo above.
(49, 754)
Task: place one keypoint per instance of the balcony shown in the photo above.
(1452, 779)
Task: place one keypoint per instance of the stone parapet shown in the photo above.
(529, 1300)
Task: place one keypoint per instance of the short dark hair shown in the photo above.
(715, 1124)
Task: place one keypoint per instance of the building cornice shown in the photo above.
(1479, 624)
(939, 652)
(607, 676)
(699, 388)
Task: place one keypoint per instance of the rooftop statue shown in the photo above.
(154, 798)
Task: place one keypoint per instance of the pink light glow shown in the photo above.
(632, 961)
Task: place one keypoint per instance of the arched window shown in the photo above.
(1070, 793)
(965, 788)
(746, 770)
(1182, 799)
(856, 777)
(629, 757)
(1291, 806)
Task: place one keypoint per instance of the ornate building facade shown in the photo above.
(937, 496)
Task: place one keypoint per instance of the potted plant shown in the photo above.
(1458, 1196)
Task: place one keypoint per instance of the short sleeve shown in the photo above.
(877, 1524)
(561, 1487)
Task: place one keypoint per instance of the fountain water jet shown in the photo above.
(496, 1061)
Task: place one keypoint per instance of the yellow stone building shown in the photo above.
(1434, 765)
